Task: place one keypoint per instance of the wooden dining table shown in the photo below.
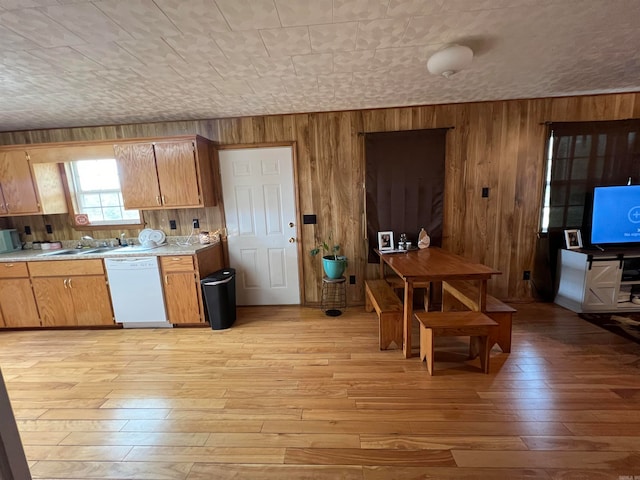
(432, 264)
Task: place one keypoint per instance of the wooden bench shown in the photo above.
(398, 284)
(467, 293)
(476, 325)
(381, 297)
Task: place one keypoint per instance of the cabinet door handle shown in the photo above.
(70, 286)
(163, 200)
(8, 265)
(64, 282)
(158, 200)
(166, 279)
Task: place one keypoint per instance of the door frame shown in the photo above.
(296, 198)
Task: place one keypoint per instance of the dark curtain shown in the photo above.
(405, 184)
(584, 155)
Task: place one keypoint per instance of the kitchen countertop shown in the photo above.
(166, 250)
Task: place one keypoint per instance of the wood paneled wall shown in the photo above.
(210, 220)
(499, 145)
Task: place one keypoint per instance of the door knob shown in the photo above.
(292, 240)
(290, 224)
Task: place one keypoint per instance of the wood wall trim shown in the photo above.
(226, 146)
(296, 193)
(61, 154)
(92, 143)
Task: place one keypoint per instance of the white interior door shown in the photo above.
(260, 210)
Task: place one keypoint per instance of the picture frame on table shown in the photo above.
(385, 241)
(573, 239)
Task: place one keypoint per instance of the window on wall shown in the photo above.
(582, 156)
(96, 193)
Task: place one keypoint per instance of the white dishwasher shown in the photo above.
(136, 292)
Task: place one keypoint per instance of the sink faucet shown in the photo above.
(99, 243)
(84, 238)
(123, 240)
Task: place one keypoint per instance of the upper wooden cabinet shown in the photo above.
(169, 173)
(51, 190)
(19, 195)
(155, 173)
(25, 190)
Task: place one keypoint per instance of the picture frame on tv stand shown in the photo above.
(573, 239)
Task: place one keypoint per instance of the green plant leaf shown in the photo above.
(324, 246)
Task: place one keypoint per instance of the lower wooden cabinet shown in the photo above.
(59, 293)
(17, 303)
(181, 275)
(73, 301)
(181, 285)
(71, 293)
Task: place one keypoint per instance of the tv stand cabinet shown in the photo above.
(594, 281)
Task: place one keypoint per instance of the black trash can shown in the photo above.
(219, 294)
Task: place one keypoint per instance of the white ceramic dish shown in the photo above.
(157, 236)
(144, 235)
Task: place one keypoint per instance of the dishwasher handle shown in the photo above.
(129, 260)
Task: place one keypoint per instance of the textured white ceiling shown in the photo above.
(80, 63)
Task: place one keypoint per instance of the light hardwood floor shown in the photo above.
(290, 393)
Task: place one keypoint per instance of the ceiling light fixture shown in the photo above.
(449, 60)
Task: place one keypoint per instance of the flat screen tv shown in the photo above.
(616, 215)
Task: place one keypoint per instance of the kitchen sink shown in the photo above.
(78, 251)
(98, 250)
(67, 251)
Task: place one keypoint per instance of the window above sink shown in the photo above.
(96, 195)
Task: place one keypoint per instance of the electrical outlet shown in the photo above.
(352, 280)
(196, 223)
(526, 275)
(49, 229)
(172, 224)
(27, 230)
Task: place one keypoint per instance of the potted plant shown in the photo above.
(334, 265)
